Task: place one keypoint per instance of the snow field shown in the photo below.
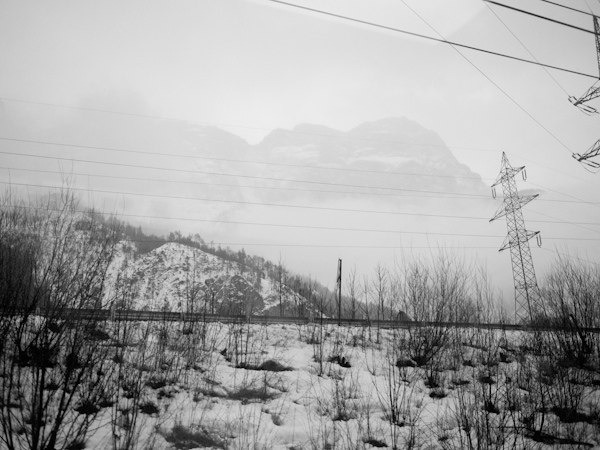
(460, 400)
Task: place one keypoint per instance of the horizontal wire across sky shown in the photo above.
(384, 190)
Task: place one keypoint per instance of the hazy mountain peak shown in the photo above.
(392, 145)
(319, 130)
(387, 124)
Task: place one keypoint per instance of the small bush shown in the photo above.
(505, 358)
(106, 403)
(491, 408)
(270, 366)
(375, 442)
(438, 393)
(156, 383)
(486, 379)
(405, 362)
(164, 393)
(95, 334)
(341, 361)
(149, 408)
(76, 445)
(183, 438)
(274, 366)
(433, 380)
(277, 419)
(87, 408)
(248, 394)
(51, 386)
(571, 415)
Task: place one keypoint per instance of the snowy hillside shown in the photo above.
(176, 277)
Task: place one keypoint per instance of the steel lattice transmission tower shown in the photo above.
(527, 294)
(594, 91)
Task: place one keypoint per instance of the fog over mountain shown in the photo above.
(376, 194)
(409, 157)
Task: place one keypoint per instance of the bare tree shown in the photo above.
(352, 287)
(52, 369)
(281, 284)
(380, 292)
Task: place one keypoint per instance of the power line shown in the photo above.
(281, 164)
(540, 17)
(239, 202)
(303, 166)
(255, 177)
(493, 82)
(188, 219)
(303, 133)
(526, 49)
(275, 179)
(578, 178)
(303, 181)
(278, 130)
(566, 195)
(143, 216)
(568, 7)
(569, 256)
(211, 158)
(199, 183)
(566, 222)
(410, 33)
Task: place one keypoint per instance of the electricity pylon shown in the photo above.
(594, 91)
(527, 294)
(586, 158)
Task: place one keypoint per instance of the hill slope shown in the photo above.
(177, 277)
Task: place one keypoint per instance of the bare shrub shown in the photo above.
(571, 304)
(53, 363)
(435, 294)
(186, 438)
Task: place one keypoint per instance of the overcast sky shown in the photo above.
(251, 66)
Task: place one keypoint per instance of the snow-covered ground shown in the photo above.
(242, 386)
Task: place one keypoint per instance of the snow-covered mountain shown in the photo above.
(177, 277)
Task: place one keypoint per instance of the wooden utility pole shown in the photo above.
(339, 286)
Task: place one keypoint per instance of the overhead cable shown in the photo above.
(227, 125)
(167, 169)
(568, 7)
(189, 219)
(240, 202)
(494, 83)
(441, 195)
(410, 33)
(526, 49)
(541, 17)
(211, 158)
(438, 195)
